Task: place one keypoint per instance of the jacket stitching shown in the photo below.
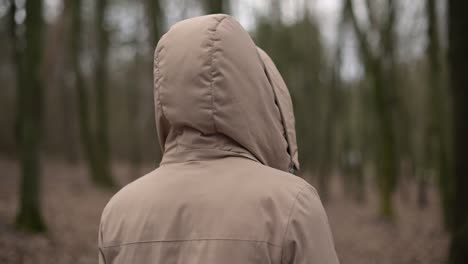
(100, 239)
(158, 81)
(239, 155)
(213, 69)
(289, 220)
(101, 251)
(190, 240)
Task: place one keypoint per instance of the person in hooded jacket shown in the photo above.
(224, 192)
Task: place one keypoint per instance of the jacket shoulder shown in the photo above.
(127, 194)
(280, 179)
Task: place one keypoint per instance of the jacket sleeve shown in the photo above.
(308, 238)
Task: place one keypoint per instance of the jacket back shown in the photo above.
(223, 192)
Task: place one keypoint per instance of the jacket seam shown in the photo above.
(158, 85)
(100, 239)
(213, 69)
(101, 251)
(244, 155)
(190, 240)
(283, 240)
(218, 149)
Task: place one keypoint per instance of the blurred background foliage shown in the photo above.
(374, 97)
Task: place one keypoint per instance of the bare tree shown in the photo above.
(104, 177)
(379, 66)
(437, 151)
(155, 18)
(327, 158)
(458, 54)
(90, 146)
(29, 116)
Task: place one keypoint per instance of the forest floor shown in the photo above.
(72, 208)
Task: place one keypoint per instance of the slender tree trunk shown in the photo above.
(422, 188)
(133, 97)
(66, 95)
(58, 69)
(432, 151)
(327, 163)
(18, 57)
(82, 95)
(384, 101)
(458, 49)
(386, 156)
(360, 190)
(327, 158)
(395, 108)
(437, 132)
(398, 111)
(216, 6)
(104, 177)
(88, 141)
(30, 96)
(154, 16)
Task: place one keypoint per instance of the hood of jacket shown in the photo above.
(216, 94)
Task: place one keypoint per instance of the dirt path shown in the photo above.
(72, 207)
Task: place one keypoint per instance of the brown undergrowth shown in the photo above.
(72, 207)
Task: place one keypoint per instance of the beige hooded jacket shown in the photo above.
(222, 193)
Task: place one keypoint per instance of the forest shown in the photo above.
(378, 89)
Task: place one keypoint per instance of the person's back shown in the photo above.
(222, 193)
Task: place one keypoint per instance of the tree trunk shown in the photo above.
(436, 134)
(154, 16)
(30, 96)
(398, 110)
(216, 6)
(327, 158)
(422, 188)
(104, 175)
(386, 156)
(458, 50)
(62, 71)
(18, 58)
(327, 162)
(87, 139)
(133, 99)
(384, 102)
